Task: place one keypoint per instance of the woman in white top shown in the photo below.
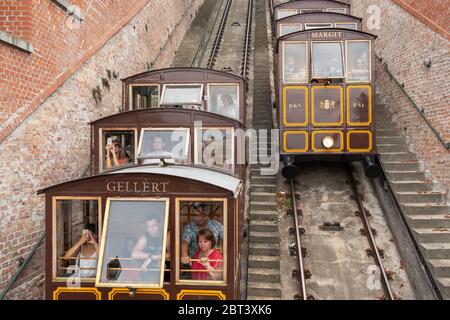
(86, 251)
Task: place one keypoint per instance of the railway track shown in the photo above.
(301, 273)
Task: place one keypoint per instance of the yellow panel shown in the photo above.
(341, 111)
(163, 293)
(294, 124)
(206, 293)
(341, 134)
(286, 133)
(359, 150)
(369, 108)
(59, 290)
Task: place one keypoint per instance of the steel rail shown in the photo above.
(248, 30)
(219, 36)
(299, 243)
(369, 234)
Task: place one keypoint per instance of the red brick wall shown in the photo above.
(16, 17)
(60, 48)
(434, 13)
(404, 42)
(52, 144)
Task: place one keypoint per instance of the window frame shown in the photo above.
(288, 24)
(233, 146)
(178, 231)
(102, 248)
(142, 133)
(292, 10)
(131, 86)
(370, 61)
(328, 25)
(307, 61)
(311, 10)
(208, 87)
(55, 199)
(333, 10)
(341, 42)
(102, 144)
(163, 93)
(336, 25)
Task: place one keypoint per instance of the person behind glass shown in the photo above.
(115, 155)
(207, 258)
(86, 251)
(200, 221)
(158, 152)
(226, 107)
(149, 248)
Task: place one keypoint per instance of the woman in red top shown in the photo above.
(207, 258)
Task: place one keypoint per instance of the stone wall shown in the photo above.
(52, 144)
(405, 42)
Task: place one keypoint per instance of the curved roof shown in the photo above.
(299, 1)
(168, 109)
(182, 69)
(291, 35)
(296, 16)
(203, 175)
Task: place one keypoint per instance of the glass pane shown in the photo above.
(134, 251)
(145, 97)
(202, 241)
(337, 10)
(76, 238)
(358, 61)
(286, 13)
(350, 25)
(295, 62)
(310, 26)
(224, 100)
(182, 95)
(119, 149)
(311, 10)
(169, 144)
(327, 60)
(214, 148)
(289, 28)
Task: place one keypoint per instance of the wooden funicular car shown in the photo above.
(161, 215)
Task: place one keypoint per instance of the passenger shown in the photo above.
(149, 249)
(201, 220)
(158, 152)
(115, 151)
(207, 258)
(86, 253)
(227, 107)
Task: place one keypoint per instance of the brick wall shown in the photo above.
(52, 145)
(405, 42)
(16, 17)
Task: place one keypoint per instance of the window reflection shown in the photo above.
(202, 241)
(337, 10)
(311, 10)
(294, 59)
(172, 145)
(223, 99)
(214, 148)
(76, 238)
(327, 60)
(289, 28)
(286, 13)
(350, 25)
(119, 148)
(186, 96)
(135, 250)
(145, 97)
(358, 61)
(309, 26)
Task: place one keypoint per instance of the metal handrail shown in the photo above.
(22, 266)
(420, 110)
